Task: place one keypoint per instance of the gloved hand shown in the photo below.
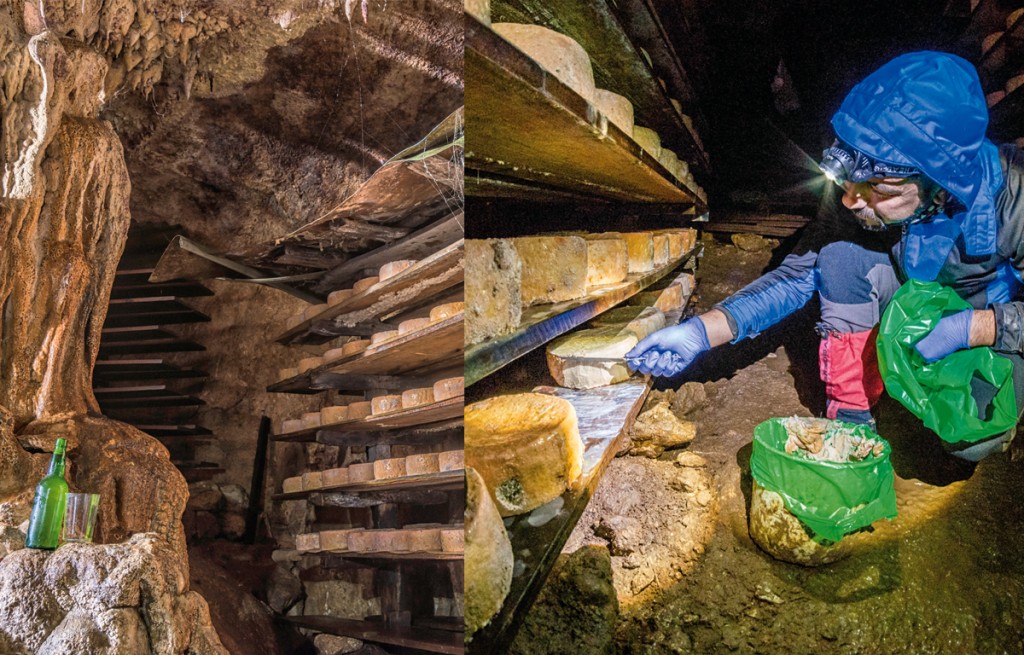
(670, 350)
(950, 334)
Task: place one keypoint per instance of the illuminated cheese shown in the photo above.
(990, 41)
(527, 448)
(607, 262)
(311, 420)
(641, 321)
(492, 278)
(481, 9)
(287, 373)
(380, 337)
(361, 541)
(353, 347)
(391, 269)
(308, 543)
(1014, 83)
(660, 245)
(412, 325)
(669, 160)
(335, 477)
(421, 464)
(393, 541)
(309, 363)
(294, 320)
(312, 311)
(364, 284)
(676, 243)
(417, 397)
(385, 404)
(358, 410)
(339, 296)
(420, 540)
(995, 98)
(590, 358)
(448, 388)
(333, 355)
(648, 139)
(389, 468)
(335, 414)
(618, 109)
(453, 540)
(292, 485)
(291, 425)
(447, 310)
(312, 480)
(668, 299)
(556, 53)
(360, 472)
(488, 558)
(451, 460)
(336, 540)
(554, 268)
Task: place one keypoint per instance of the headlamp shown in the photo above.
(840, 163)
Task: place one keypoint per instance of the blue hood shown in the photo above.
(927, 110)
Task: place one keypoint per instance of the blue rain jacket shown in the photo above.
(926, 110)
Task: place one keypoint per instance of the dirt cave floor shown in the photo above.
(946, 576)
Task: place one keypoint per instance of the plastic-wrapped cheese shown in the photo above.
(362, 472)
(385, 404)
(493, 276)
(451, 460)
(339, 296)
(421, 464)
(618, 109)
(591, 358)
(393, 467)
(391, 269)
(556, 53)
(526, 446)
(554, 268)
(417, 397)
(448, 388)
(447, 310)
(364, 284)
(607, 262)
(488, 558)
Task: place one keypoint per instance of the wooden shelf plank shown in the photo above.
(435, 347)
(443, 480)
(177, 289)
(423, 415)
(146, 400)
(523, 123)
(419, 435)
(542, 323)
(184, 430)
(434, 641)
(605, 414)
(159, 310)
(424, 556)
(426, 279)
(142, 369)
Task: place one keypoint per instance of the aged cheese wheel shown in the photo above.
(389, 541)
(448, 388)
(447, 310)
(453, 540)
(381, 337)
(311, 420)
(607, 262)
(287, 373)
(334, 414)
(554, 268)
(421, 464)
(308, 543)
(571, 358)
(391, 269)
(417, 397)
(412, 325)
(385, 404)
(294, 320)
(335, 477)
(618, 109)
(451, 460)
(362, 285)
(481, 9)
(650, 318)
(682, 171)
(309, 363)
(313, 311)
(360, 472)
(995, 98)
(488, 561)
(353, 347)
(556, 53)
(359, 410)
(526, 446)
(291, 485)
(676, 242)
(389, 468)
(639, 249)
(423, 540)
(339, 296)
(312, 480)
(360, 541)
(669, 160)
(291, 425)
(661, 249)
(336, 540)
(1014, 83)
(990, 41)
(648, 139)
(333, 355)
(493, 275)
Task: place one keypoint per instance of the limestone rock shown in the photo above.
(235, 497)
(232, 525)
(283, 589)
(206, 525)
(334, 645)
(204, 495)
(686, 459)
(339, 598)
(689, 398)
(658, 428)
(752, 242)
(781, 534)
(623, 533)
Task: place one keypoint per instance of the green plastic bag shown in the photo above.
(940, 393)
(831, 498)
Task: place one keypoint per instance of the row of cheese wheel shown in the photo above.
(445, 389)
(410, 539)
(1017, 79)
(382, 469)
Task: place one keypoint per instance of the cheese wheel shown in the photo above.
(333, 355)
(447, 310)
(335, 477)
(669, 160)
(412, 325)
(287, 373)
(291, 425)
(526, 446)
(618, 109)
(639, 249)
(336, 540)
(364, 284)
(423, 540)
(481, 9)
(359, 410)
(417, 397)
(353, 347)
(313, 311)
(380, 337)
(389, 468)
(607, 262)
(1013, 17)
(293, 321)
(661, 249)
(421, 464)
(311, 420)
(488, 560)
(990, 41)
(453, 540)
(995, 98)
(555, 53)
(492, 278)
(554, 268)
(360, 472)
(1014, 83)
(308, 543)
(391, 269)
(676, 243)
(292, 485)
(389, 541)
(452, 460)
(360, 541)
(682, 171)
(668, 299)
(312, 480)
(309, 363)
(449, 388)
(334, 414)
(385, 404)
(678, 106)
(339, 296)
(647, 139)
(571, 358)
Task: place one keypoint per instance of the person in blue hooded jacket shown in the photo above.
(924, 195)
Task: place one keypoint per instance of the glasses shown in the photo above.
(80, 517)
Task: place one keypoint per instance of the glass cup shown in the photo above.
(80, 517)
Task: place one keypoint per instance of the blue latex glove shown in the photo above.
(669, 351)
(950, 334)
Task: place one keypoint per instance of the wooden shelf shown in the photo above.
(443, 481)
(543, 323)
(403, 418)
(144, 397)
(153, 310)
(141, 369)
(435, 347)
(424, 639)
(424, 556)
(523, 123)
(178, 289)
(357, 315)
(613, 34)
(412, 436)
(143, 339)
(605, 415)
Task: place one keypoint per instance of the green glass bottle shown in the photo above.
(48, 507)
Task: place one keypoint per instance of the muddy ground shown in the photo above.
(946, 576)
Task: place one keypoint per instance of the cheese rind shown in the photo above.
(312, 480)
(412, 325)
(447, 310)
(607, 262)
(642, 321)
(362, 472)
(417, 397)
(422, 464)
(647, 139)
(617, 108)
(291, 425)
(362, 285)
(333, 355)
(308, 543)
(309, 363)
(334, 414)
(339, 296)
(335, 477)
(527, 448)
(556, 53)
(311, 420)
(571, 358)
(380, 337)
(354, 347)
(361, 541)
(453, 540)
(291, 485)
(662, 253)
(493, 274)
(488, 556)
(393, 467)
(385, 404)
(336, 540)
(554, 268)
(359, 410)
(449, 388)
(639, 249)
(391, 269)
(451, 460)
(420, 540)
(312, 311)
(287, 373)
(481, 9)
